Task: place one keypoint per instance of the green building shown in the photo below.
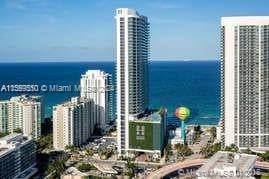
(148, 133)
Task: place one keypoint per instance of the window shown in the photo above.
(140, 132)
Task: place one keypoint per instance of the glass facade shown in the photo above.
(132, 70)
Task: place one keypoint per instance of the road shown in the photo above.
(105, 166)
(175, 166)
(122, 162)
(262, 165)
(164, 171)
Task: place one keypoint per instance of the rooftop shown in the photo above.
(10, 137)
(227, 161)
(25, 99)
(11, 141)
(245, 20)
(95, 74)
(153, 115)
(127, 12)
(74, 101)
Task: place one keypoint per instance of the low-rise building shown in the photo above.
(175, 140)
(17, 156)
(148, 133)
(190, 137)
(228, 164)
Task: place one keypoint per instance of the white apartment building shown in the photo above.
(17, 156)
(73, 123)
(132, 55)
(4, 116)
(245, 81)
(22, 113)
(97, 86)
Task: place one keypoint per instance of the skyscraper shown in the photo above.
(245, 81)
(72, 123)
(22, 113)
(97, 86)
(132, 36)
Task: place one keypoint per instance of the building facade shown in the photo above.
(132, 36)
(73, 123)
(22, 113)
(17, 156)
(97, 86)
(4, 116)
(244, 81)
(148, 133)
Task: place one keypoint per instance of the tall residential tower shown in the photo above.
(97, 86)
(22, 113)
(132, 35)
(245, 81)
(73, 123)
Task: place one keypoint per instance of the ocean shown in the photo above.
(194, 84)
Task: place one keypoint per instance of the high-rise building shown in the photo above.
(22, 113)
(132, 36)
(73, 123)
(97, 86)
(245, 81)
(17, 156)
(4, 116)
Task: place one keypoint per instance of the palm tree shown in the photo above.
(58, 166)
(89, 152)
(167, 151)
(209, 150)
(183, 150)
(130, 167)
(213, 132)
(232, 148)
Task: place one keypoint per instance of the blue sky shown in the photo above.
(68, 30)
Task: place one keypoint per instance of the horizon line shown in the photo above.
(78, 61)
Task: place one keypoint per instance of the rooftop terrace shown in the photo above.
(11, 141)
(153, 115)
